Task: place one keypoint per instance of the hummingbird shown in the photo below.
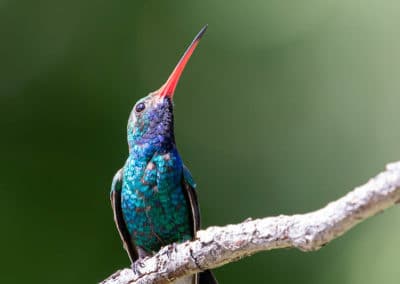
(153, 196)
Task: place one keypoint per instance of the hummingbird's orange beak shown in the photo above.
(168, 89)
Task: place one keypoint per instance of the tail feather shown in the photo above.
(207, 277)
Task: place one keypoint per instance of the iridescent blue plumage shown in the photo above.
(153, 196)
(154, 204)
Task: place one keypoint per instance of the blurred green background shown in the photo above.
(285, 106)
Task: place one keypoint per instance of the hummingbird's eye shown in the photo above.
(140, 107)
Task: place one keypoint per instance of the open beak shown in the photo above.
(168, 89)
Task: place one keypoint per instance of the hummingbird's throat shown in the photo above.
(154, 130)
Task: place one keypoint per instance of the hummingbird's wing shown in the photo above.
(205, 277)
(115, 197)
(191, 195)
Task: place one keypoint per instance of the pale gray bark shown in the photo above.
(217, 246)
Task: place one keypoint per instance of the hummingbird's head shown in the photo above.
(151, 123)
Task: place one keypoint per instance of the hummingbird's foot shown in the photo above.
(142, 253)
(133, 267)
(137, 266)
(171, 248)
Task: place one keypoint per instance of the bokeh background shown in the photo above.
(285, 106)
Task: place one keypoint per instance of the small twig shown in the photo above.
(217, 246)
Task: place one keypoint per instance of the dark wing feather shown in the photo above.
(191, 195)
(115, 197)
(205, 277)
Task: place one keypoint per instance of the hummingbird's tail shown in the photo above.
(207, 277)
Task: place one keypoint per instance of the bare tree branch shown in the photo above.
(217, 246)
